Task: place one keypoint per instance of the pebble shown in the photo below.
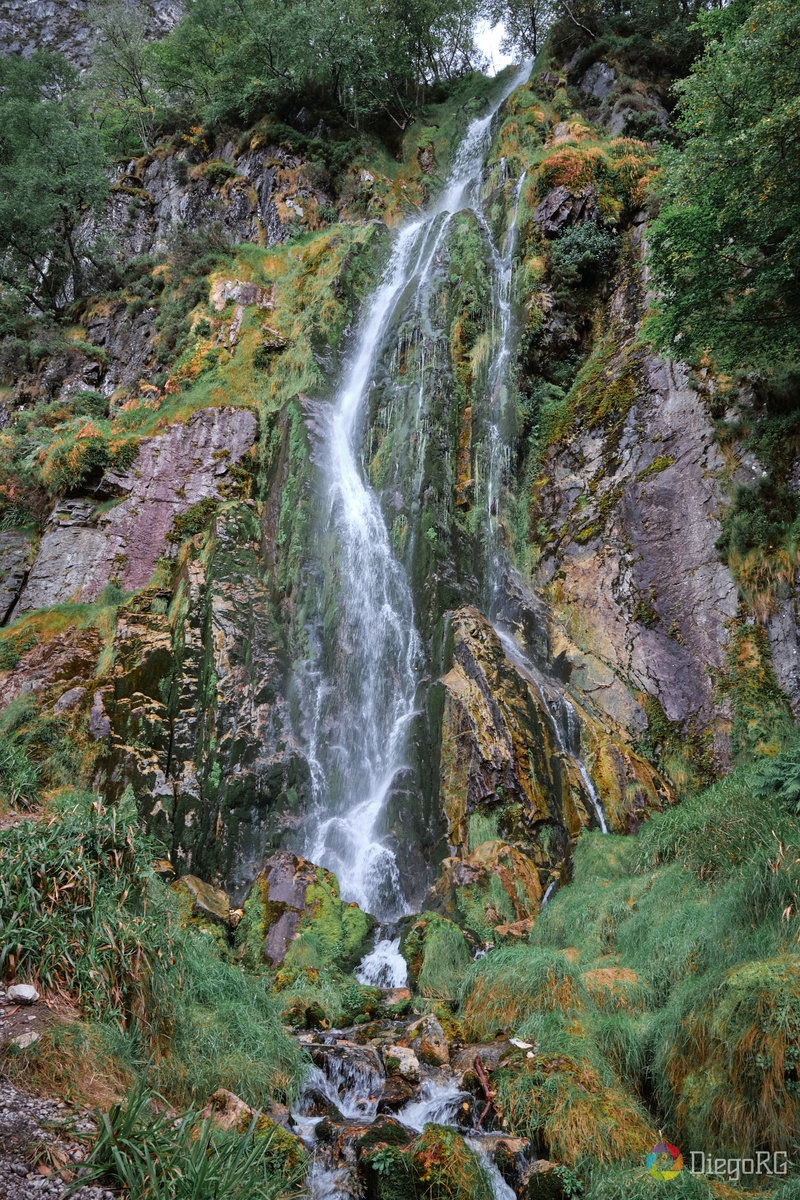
(24, 1040)
(25, 1120)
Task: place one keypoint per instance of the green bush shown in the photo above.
(583, 254)
(186, 525)
(89, 403)
(757, 519)
(779, 778)
(218, 171)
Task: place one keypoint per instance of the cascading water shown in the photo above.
(368, 671)
(564, 723)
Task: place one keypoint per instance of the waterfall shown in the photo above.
(564, 724)
(499, 393)
(367, 671)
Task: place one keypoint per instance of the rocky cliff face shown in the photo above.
(63, 26)
(166, 600)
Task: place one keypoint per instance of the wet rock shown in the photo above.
(427, 1038)
(598, 81)
(561, 208)
(216, 821)
(491, 1055)
(511, 767)
(15, 557)
(78, 556)
(542, 1181)
(402, 1061)
(395, 1093)
(208, 902)
(22, 993)
(292, 898)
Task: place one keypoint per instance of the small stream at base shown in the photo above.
(355, 1090)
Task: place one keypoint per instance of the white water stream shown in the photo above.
(564, 722)
(366, 684)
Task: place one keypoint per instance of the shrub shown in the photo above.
(218, 171)
(75, 456)
(88, 403)
(779, 779)
(186, 525)
(583, 254)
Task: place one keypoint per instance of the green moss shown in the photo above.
(762, 718)
(659, 464)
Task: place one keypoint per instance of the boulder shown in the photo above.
(427, 1038)
(402, 1061)
(208, 902)
(396, 1093)
(227, 1111)
(491, 1055)
(542, 1180)
(22, 993)
(295, 904)
(598, 81)
(561, 207)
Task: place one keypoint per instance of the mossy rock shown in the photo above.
(295, 915)
(437, 1163)
(437, 953)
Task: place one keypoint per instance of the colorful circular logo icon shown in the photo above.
(656, 1165)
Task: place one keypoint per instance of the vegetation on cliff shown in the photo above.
(658, 989)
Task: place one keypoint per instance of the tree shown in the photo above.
(725, 250)
(52, 175)
(124, 96)
(237, 58)
(526, 22)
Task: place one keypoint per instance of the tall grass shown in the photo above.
(666, 975)
(81, 912)
(152, 1157)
